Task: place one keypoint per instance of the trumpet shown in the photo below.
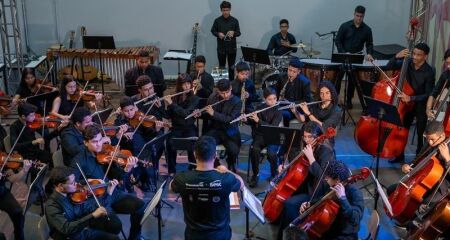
(298, 104)
(171, 95)
(244, 116)
(204, 109)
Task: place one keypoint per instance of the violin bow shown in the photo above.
(145, 115)
(113, 156)
(78, 100)
(99, 119)
(45, 78)
(391, 83)
(90, 189)
(12, 148)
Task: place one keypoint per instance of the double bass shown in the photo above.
(318, 218)
(290, 180)
(388, 90)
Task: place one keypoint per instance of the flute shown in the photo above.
(171, 95)
(203, 109)
(143, 99)
(298, 105)
(243, 116)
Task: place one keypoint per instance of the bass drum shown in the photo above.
(367, 72)
(271, 78)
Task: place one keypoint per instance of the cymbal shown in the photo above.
(298, 45)
(312, 53)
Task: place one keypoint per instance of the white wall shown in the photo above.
(168, 23)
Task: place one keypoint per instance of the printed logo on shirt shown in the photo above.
(215, 184)
(216, 199)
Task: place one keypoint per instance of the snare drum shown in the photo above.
(367, 71)
(318, 69)
(219, 73)
(271, 78)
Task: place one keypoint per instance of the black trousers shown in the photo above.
(172, 153)
(232, 145)
(231, 59)
(128, 204)
(257, 145)
(419, 112)
(10, 205)
(290, 211)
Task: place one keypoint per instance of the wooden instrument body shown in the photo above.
(435, 225)
(320, 220)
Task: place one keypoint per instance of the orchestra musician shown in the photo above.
(280, 43)
(318, 159)
(68, 220)
(220, 116)
(242, 80)
(202, 77)
(443, 82)
(178, 108)
(226, 29)
(121, 202)
(350, 199)
(421, 76)
(8, 202)
(296, 88)
(271, 117)
(205, 192)
(143, 67)
(351, 38)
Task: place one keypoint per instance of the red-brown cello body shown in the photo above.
(446, 122)
(295, 175)
(435, 225)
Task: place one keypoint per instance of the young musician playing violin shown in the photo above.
(205, 193)
(271, 117)
(178, 108)
(28, 144)
(350, 199)
(241, 80)
(318, 159)
(8, 203)
(64, 104)
(220, 116)
(444, 82)
(296, 88)
(68, 220)
(421, 76)
(121, 202)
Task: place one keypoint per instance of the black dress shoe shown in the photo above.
(253, 182)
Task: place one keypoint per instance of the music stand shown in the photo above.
(102, 115)
(252, 204)
(99, 42)
(254, 56)
(36, 100)
(384, 113)
(36, 190)
(347, 59)
(155, 204)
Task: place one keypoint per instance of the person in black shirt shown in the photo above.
(351, 201)
(27, 144)
(144, 68)
(271, 117)
(205, 193)
(120, 202)
(178, 108)
(296, 88)
(8, 203)
(420, 76)
(444, 82)
(226, 29)
(318, 159)
(280, 43)
(221, 115)
(68, 220)
(351, 37)
(242, 77)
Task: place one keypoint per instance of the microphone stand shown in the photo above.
(333, 41)
(101, 72)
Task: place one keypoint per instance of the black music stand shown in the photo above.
(347, 59)
(36, 190)
(384, 113)
(254, 56)
(99, 42)
(102, 115)
(37, 100)
(155, 204)
(252, 204)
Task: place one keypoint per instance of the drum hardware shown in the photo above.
(321, 36)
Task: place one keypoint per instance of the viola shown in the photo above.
(82, 193)
(290, 180)
(121, 158)
(318, 218)
(49, 121)
(147, 121)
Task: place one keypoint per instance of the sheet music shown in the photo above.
(234, 201)
(177, 55)
(155, 200)
(253, 204)
(382, 194)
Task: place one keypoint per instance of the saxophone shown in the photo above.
(243, 98)
(283, 90)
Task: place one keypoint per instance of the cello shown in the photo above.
(433, 226)
(388, 91)
(408, 195)
(289, 180)
(318, 218)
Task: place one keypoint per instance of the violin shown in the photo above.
(86, 96)
(82, 193)
(5, 105)
(14, 162)
(49, 121)
(147, 121)
(121, 158)
(43, 87)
